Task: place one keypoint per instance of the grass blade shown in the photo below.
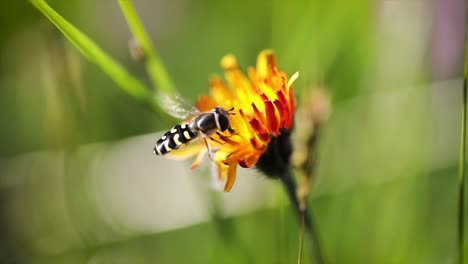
(128, 83)
(461, 192)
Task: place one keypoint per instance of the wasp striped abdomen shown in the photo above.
(174, 138)
(201, 126)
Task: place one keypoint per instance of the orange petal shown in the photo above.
(250, 161)
(237, 155)
(205, 103)
(280, 109)
(272, 120)
(258, 113)
(198, 159)
(231, 177)
(220, 92)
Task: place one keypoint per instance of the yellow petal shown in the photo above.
(186, 151)
(220, 92)
(265, 62)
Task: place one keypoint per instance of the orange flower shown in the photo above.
(263, 107)
(261, 117)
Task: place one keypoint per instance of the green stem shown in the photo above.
(303, 215)
(461, 175)
(155, 68)
(301, 239)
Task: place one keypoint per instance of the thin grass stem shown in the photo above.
(461, 175)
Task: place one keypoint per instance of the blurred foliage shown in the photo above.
(212, 29)
(379, 196)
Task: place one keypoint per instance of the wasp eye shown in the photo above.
(217, 110)
(223, 121)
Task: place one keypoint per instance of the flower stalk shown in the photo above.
(314, 111)
(305, 217)
(275, 163)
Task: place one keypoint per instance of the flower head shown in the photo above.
(263, 108)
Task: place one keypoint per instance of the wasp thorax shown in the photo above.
(208, 123)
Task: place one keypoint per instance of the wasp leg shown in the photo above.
(224, 137)
(232, 131)
(217, 141)
(208, 147)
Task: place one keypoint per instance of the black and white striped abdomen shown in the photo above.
(173, 139)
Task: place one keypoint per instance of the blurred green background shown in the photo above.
(79, 184)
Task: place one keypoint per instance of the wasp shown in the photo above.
(203, 125)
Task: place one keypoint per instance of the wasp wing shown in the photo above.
(176, 106)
